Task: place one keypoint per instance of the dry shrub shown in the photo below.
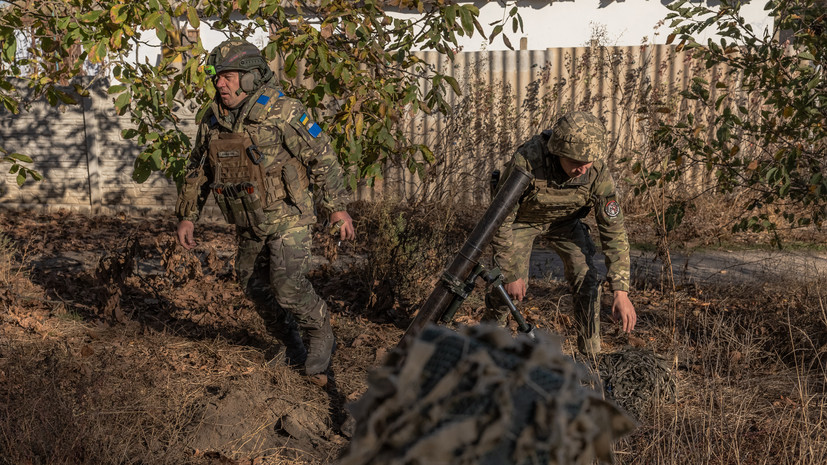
(751, 360)
(17, 292)
(406, 248)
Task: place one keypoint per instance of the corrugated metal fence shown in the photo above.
(510, 96)
(507, 97)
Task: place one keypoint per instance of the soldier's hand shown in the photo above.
(623, 311)
(185, 234)
(346, 230)
(517, 289)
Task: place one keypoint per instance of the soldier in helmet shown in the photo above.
(268, 165)
(571, 180)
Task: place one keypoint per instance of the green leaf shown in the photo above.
(92, 16)
(100, 51)
(467, 20)
(122, 102)
(806, 56)
(10, 48)
(497, 29)
(454, 85)
(141, 171)
(451, 14)
(20, 157)
(156, 160)
(290, 66)
(192, 17)
(65, 98)
(427, 154)
(129, 133)
(118, 13)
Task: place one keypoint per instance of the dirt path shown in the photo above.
(701, 267)
(705, 267)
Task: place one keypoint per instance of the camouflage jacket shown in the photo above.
(553, 199)
(282, 130)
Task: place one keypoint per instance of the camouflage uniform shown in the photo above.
(259, 162)
(554, 205)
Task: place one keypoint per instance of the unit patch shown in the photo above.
(612, 208)
(313, 128)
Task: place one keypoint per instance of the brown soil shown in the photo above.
(117, 346)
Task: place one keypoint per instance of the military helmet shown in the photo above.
(239, 55)
(578, 135)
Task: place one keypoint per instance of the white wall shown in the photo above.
(546, 24)
(550, 24)
(150, 51)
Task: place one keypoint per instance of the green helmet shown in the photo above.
(239, 55)
(578, 135)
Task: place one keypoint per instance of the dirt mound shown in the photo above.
(242, 419)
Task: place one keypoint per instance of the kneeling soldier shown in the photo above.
(571, 179)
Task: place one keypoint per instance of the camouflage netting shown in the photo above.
(635, 378)
(481, 396)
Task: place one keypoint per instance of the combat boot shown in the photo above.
(587, 317)
(321, 347)
(288, 334)
(295, 351)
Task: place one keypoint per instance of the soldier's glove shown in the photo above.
(188, 197)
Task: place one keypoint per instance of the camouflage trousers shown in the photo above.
(572, 242)
(273, 273)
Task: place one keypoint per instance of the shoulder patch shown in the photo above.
(263, 104)
(213, 121)
(612, 208)
(313, 128)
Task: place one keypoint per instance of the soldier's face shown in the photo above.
(574, 168)
(227, 85)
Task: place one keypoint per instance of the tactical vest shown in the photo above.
(548, 201)
(249, 179)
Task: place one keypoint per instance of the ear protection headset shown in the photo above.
(253, 79)
(250, 81)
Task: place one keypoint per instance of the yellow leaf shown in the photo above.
(360, 122)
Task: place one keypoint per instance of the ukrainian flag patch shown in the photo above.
(263, 99)
(313, 128)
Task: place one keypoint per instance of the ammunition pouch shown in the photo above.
(240, 204)
(249, 180)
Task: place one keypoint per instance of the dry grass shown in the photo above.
(750, 360)
(752, 380)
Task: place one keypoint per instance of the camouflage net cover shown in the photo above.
(635, 378)
(481, 396)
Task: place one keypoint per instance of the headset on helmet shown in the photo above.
(578, 135)
(240, 55)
